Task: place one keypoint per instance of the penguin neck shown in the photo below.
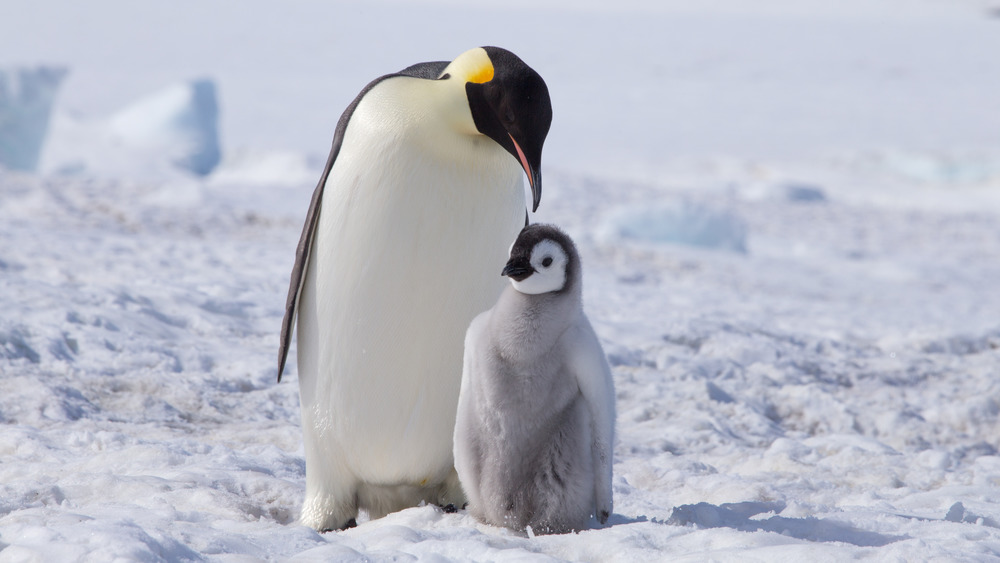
(527, 326)
(432, 116)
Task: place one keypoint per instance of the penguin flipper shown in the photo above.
(593, 375)
(428, 71)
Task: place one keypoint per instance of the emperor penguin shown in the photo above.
(536, 411)
(421, 194)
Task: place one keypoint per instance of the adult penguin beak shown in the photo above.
(534, 174)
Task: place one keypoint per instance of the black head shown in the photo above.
(543, 259)
(513, 109)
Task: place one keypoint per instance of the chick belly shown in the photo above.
(544, 481)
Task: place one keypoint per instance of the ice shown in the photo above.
(804, 193)
(170, 133)
(684, 222)
(26, 99)
(181, 122)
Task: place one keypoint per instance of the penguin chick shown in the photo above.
(535, 421)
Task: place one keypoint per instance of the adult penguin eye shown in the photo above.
(547, 262)
(508, 117)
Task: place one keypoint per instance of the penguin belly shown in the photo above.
(547, 485)
(404, 256)
(523, 448)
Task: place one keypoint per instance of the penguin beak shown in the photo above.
(534, 175)
(517, 269)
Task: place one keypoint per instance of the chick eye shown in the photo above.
(547, 262)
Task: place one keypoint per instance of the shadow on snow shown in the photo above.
(739, 516)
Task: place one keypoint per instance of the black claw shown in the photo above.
(449, 508)
(352, 523)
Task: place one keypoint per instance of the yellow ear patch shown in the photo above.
(484, 74)
(473, 66)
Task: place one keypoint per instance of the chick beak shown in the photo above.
(517, 269)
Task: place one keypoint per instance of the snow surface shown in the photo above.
(827, 389)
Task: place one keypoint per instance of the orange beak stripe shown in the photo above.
(524, 161)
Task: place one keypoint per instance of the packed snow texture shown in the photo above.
(824, 388)
(26, 99)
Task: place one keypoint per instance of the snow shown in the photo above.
(825, 389)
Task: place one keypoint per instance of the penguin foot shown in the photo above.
(448, 508)
(352, 523)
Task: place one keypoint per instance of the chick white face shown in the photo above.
(543, 272)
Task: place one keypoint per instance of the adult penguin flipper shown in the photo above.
(428, 71)
(302, 258)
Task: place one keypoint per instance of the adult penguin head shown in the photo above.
(509, 103)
